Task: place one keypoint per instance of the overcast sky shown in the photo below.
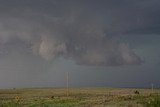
(109, 43)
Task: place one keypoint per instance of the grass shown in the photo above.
(79, 97)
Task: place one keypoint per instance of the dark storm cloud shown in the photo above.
(41, 40)
(84, 31)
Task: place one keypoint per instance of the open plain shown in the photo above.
(79, 97)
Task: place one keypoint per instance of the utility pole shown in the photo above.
(67, 84)
(152, 87)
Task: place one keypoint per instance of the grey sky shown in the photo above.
(100, 43)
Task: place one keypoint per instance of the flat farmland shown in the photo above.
(79, 97)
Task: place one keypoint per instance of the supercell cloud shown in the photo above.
(41, 40)
(64, 29)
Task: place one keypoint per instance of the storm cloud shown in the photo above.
(65, 29)
(99, 42)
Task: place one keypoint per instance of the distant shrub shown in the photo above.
(52, 97)
(136, 92)
(14, 88)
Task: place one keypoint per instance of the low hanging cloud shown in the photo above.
(76, 34)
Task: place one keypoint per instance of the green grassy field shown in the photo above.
(79, 97)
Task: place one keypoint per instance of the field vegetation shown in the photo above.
(79, 97)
